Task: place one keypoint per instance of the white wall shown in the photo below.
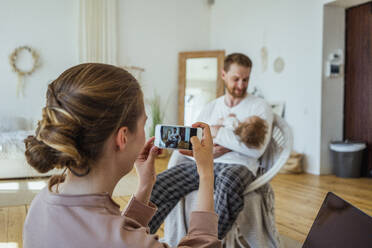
(291, 29)
(152, 33)
(332, 88)
(50, 27)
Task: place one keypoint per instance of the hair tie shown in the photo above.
(77, 174)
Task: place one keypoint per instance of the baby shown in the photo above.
(252, 131)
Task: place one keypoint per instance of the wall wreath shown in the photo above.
(22, 73)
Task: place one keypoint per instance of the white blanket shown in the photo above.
(12, 145)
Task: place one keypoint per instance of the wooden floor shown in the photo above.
(11, 223)
(298, 199)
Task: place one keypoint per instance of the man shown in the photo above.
(235, 165)
(236, 101)
(173, 139)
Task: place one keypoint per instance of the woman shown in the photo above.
(93, 128)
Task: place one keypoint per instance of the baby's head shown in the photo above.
(252, 132)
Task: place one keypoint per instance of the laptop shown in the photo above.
(339, 224)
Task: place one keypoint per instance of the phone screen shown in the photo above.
(176, 137)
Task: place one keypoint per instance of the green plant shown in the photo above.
(157, 116)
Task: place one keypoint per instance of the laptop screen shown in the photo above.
(339, 224)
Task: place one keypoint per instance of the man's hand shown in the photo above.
(218, 150)
(215, 129)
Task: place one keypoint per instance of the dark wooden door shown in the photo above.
(358, 79)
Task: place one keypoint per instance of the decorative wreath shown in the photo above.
(13, 60)
(20, 73)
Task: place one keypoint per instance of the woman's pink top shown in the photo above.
(94, 220)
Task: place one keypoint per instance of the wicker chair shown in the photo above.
(255, 225)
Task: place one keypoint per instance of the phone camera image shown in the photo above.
(176, 137)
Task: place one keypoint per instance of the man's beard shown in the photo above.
(233, 91)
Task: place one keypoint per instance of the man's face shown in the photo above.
(236, 80)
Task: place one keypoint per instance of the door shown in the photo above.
(358, 79)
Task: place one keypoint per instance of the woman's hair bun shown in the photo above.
(39, 155)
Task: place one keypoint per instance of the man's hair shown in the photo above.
(237, 58)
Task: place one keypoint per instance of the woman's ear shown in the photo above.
(122, 138)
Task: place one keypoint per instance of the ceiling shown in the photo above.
(348, 3)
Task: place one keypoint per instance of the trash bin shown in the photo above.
(347, 158)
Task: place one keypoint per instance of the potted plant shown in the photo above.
(157, 117)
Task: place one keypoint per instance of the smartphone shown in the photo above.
(176, 137)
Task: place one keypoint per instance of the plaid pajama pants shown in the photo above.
(176, 182)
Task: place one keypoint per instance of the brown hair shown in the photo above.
(237, 58)
(252, 132)
(84, 106)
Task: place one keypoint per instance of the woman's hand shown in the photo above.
(203, 154)
(145, 167)
(202, 150)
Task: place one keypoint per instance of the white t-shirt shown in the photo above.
(217, 111)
